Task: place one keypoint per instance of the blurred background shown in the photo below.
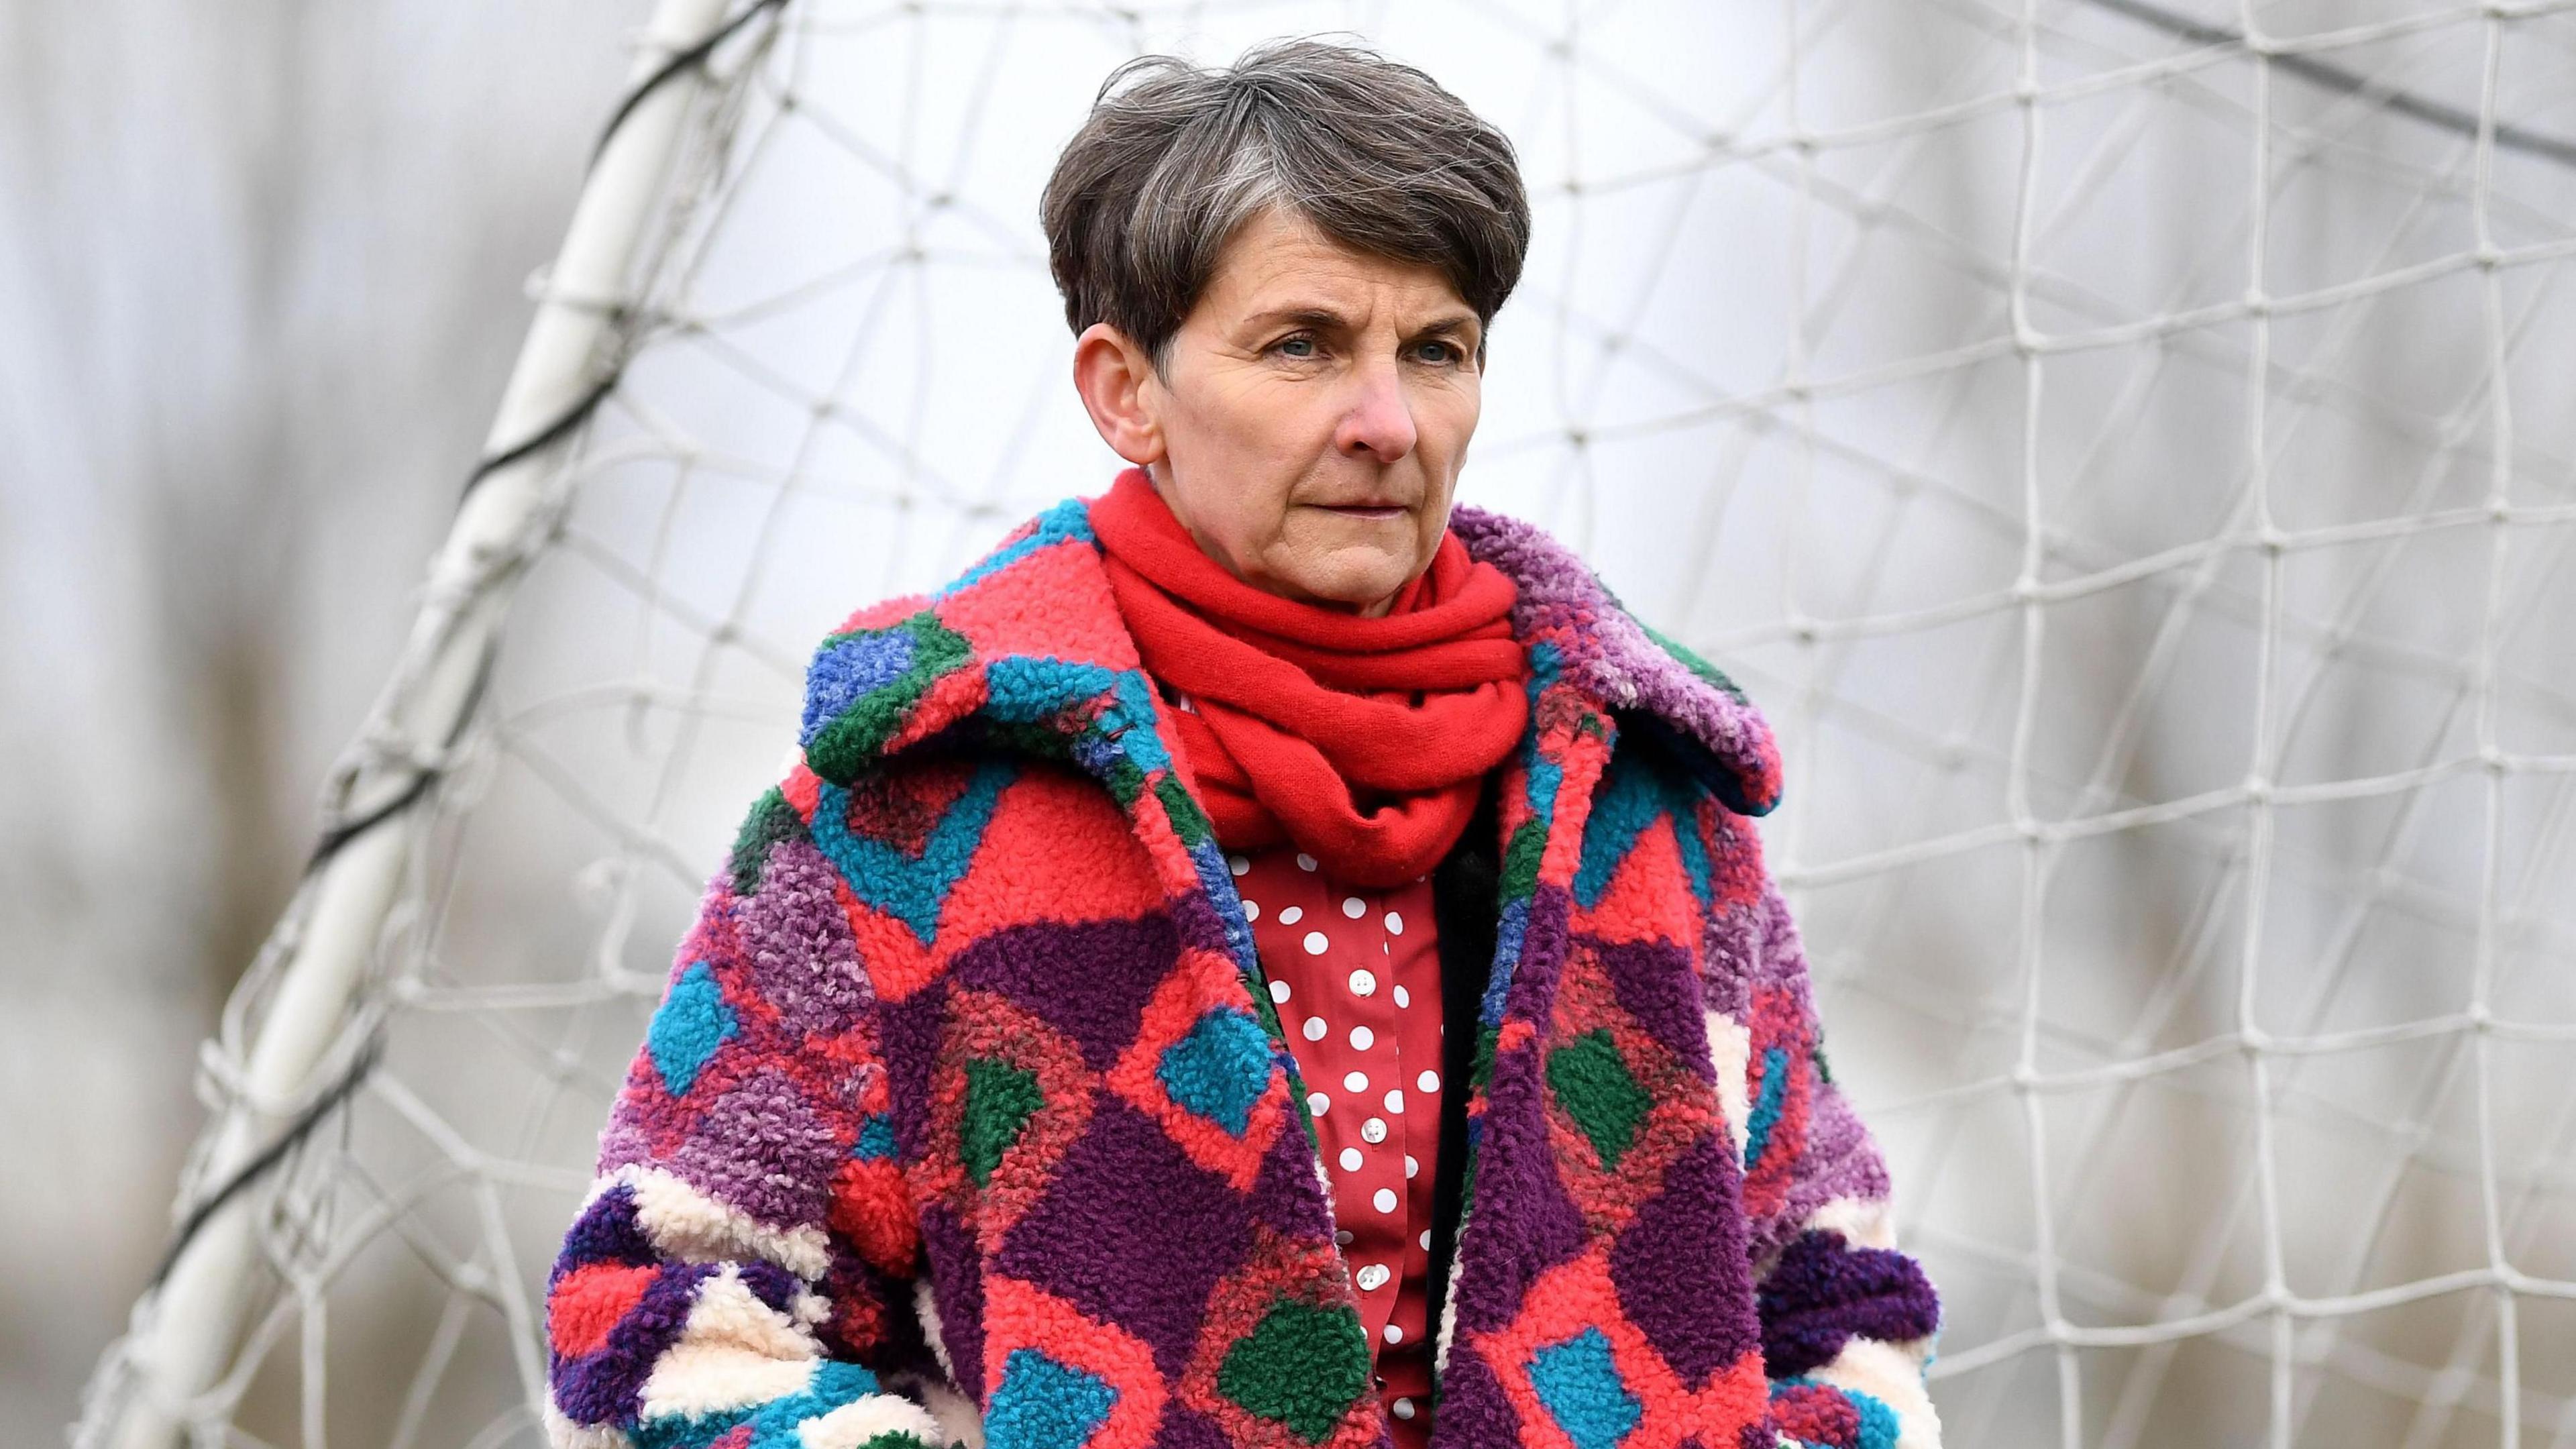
(263, 269)
(2129, 456)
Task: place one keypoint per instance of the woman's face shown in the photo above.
(1308, 424)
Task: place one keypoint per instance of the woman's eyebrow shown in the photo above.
(1323, 319)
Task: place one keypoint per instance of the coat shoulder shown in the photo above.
(1578, 629)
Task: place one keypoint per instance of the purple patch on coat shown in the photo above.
(1653, 983)
(798, 943)
(1823, 1292)
(1522, 1223)
(1200, 925)
(1680, 1267)
(908, 1040)
(1532, 993)
(1840, 1161)
(1471, 1411)
(606, 1231)
(1089, 980)
(1610, 657)
(607, 1387)
(1728, 950)
(764, 1150)
(1186, 1428)
(956, 1270)
(1286, 1195)
(1131, 1232)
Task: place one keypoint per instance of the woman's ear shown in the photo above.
(1119, 389)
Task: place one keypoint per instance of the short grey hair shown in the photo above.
(1175, 157)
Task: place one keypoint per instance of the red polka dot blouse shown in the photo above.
(1356, 977)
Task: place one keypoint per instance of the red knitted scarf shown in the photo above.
(1360, 740)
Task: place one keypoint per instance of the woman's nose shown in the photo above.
(1380, 419)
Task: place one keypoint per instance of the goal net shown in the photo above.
(2128, 447)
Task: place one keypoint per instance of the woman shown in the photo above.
(1263, 957)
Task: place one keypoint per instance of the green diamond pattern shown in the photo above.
(1592, 1082)
(1303, 1366)
(1000, 1099)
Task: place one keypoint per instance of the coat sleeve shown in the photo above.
(1847, 1319)
(746, 1254)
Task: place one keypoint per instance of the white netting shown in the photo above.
(2128, 446)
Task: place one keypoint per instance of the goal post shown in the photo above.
(185, 1328)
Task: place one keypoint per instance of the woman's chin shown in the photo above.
(1347, 582)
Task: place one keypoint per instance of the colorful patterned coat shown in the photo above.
(966, 1115)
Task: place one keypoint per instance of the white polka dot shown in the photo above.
(1385, 1200)
(1342, 1236)
(1404, 1408)
(1316, 1102)
(1425, 1240)
(1279, 991)
(1395, 923)
(1395, 1333)
(1411, 1167)
(1252, 910)
(1291, 915)
(1316, 945)
(1429, 1081)
(1354, 907)
(1361, 1037)
(1363, 982)
(1350, 1159)
(1403, 997)
(1355, 1082)
(1305, 861)
(1373, 1130)
(1314, 1028)
(1373, 1277)
(1394, 1101)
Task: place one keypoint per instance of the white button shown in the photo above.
(1316, 1102)
(1279, 991)
(1355, 1082)
(1350, 1159)
(1237, 864)
(1251, 910)
(1373, 1130)
(1363, 982)
(1394, 1100)
(1394, 1333)
(1395, 923)
(1373, 1277)
(1354, 907)
(1425, 1240)
(1342, 1236)
(1403, 997)
(1315, 943)
(1305, 861)
(1314, 1028)
(1291, 915)
(1403, 1408)
(1385, 1199)
(1361, 1037)
(1411, 1167)
(1429, 1081)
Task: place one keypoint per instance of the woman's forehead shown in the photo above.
(1281, 267)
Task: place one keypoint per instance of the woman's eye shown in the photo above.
(1297, 347)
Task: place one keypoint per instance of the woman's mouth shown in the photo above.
(1366, 510)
